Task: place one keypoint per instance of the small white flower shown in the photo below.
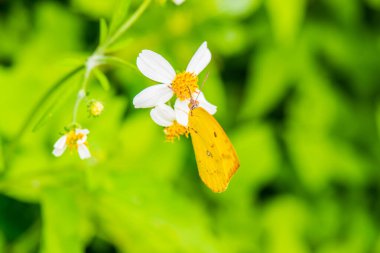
(184, 85)
(165, 116)
(74, 139)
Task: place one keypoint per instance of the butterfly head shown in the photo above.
(193, 104)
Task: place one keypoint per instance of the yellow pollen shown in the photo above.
(184, 85)
(175, 131)
(72, 138)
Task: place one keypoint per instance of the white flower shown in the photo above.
(175, 120)
(165, 116)
(74, 139)
(184, 85)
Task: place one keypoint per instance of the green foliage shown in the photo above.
(103, 31)
(119, 15)
(297, 88)
(61, 221)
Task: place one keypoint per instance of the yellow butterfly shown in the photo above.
(216, 157)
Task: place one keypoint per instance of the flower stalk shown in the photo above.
(123, 28)
(98, 58)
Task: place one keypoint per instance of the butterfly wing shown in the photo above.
(216, 157)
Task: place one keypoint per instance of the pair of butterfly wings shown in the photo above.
(216, 157)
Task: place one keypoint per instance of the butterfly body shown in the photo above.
(215, 155)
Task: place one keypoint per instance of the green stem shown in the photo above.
(81, 94)
(2, 154)
(96, 60)
(76, 106)
(119, 32)
(100, 51)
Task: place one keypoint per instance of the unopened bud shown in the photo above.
(95, 108)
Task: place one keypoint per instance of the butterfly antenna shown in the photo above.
(189, 91)
(191, 99)
(203, 83)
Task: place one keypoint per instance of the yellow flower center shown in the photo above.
(175, 131)
(72, 139)
(184, 85)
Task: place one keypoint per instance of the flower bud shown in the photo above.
(95, 108)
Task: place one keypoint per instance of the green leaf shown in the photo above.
(102, 79)
(28, 241)
(286, 18)
(46, 116)
(375, 4)
(378, 118)
(119, 15)
(268, 83)
(2, 242)
(239, 8)
(43, 101)
(103, 33)
(259, 139)
(2, 161)
(61, 222)
(119, 45)
(55, 103)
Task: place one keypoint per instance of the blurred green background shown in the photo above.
(297, 87)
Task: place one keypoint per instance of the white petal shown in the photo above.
(82, 131)
(182, 110)
(155, 67)
(200, 59)
(83, 151)
(163, 115)
(210, 108)
(82, 140)
(152, 96)
(61, 142)
(59, 151)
